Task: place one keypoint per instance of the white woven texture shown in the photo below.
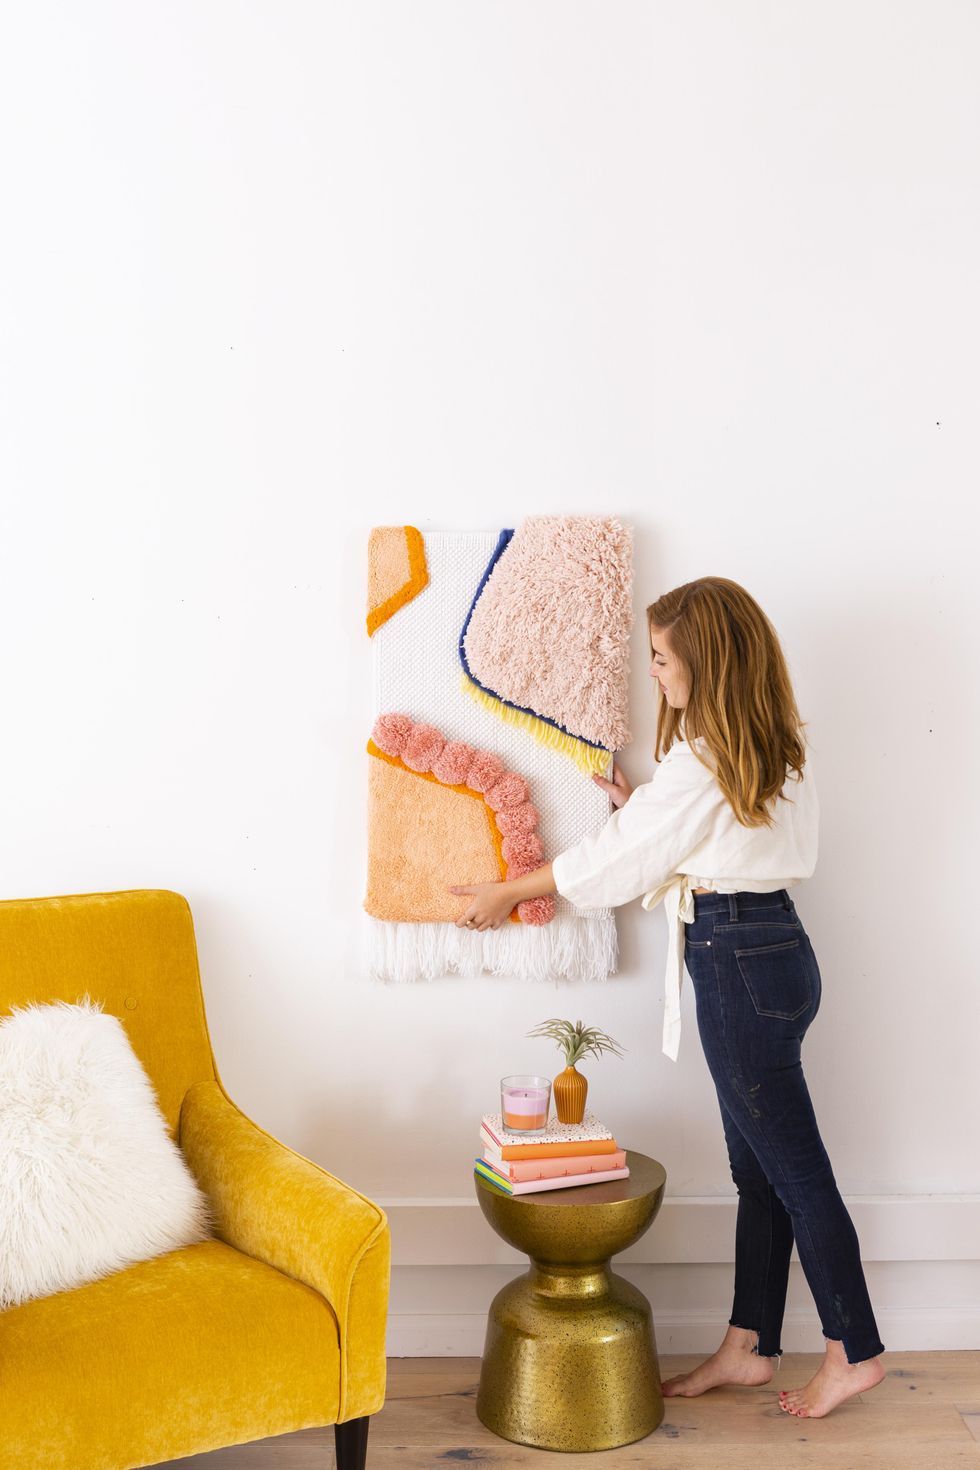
(417, 672)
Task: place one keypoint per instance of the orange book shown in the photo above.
(524, 1169)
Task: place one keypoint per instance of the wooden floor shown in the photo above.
(925, 1414)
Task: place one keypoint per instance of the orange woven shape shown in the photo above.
(393, 552)
(496, 836)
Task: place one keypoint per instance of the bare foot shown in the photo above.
(834, 1381)
(734, 1362)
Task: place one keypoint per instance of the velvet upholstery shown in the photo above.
(275, 1325)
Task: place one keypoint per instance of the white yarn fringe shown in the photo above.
(568, 948)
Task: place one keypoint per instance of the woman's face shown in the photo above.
(667, 672)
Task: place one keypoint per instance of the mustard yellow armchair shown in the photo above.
(277, 1324)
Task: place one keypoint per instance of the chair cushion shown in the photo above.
(90, 1179)
(190, 1351)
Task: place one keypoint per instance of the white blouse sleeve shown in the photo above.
(643, 842)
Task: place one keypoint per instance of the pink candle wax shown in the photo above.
(525, 1107)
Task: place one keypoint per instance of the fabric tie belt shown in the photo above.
(678, 901)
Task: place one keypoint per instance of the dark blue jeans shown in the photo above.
(757, 988)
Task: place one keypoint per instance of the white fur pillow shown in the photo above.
(90, 1179)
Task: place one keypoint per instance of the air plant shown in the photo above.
(576, 1040)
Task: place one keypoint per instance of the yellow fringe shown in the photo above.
(587, 757)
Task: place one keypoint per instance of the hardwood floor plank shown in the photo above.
(925, 1415)
(949, 1376)
(972, 1422)
(732, 1417)
(307, 1449)
(653, 1455)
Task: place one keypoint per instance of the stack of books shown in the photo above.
(565, 1154)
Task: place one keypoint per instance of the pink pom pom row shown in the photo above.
(537, 910)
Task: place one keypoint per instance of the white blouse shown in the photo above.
(678, 832)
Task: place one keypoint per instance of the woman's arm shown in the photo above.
(643, 842)
(492, 902)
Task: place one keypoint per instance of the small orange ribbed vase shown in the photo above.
(570, 1089)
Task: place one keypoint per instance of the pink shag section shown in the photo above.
(550, 632)
(424, 749)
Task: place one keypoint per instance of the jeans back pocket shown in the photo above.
(776, 978)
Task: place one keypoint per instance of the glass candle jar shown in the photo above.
(525, 1101)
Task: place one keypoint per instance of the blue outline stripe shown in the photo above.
(503, 541)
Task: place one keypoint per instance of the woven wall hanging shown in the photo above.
(500, 676)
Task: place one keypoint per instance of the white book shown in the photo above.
(587, 1131)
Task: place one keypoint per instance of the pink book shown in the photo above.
(525, 1169)
(533, 1186)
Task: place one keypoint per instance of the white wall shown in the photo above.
(274, 273)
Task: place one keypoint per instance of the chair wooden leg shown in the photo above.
(350, 1440)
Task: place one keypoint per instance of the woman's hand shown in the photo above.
(490, 907)
(618, 789)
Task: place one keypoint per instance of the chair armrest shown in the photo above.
(275, 1205)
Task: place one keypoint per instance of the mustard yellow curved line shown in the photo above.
(495, 832)
(418, 577)
(587, 757)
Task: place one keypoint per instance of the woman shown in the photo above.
(728, 823)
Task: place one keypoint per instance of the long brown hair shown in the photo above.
(741, 697)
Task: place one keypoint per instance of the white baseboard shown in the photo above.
(461, 1335)
(921, 1254)
(692, 1229)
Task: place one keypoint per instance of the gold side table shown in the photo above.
(570, 1359)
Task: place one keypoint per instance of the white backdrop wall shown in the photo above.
(275, 273)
